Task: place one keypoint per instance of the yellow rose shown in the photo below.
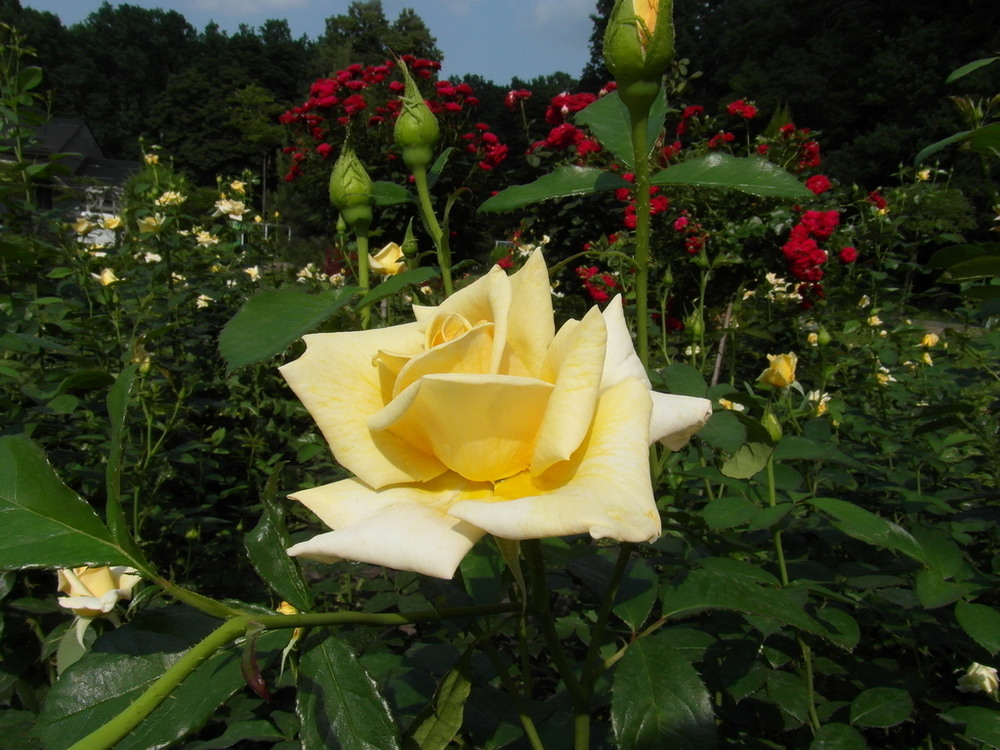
(150, 224)
(929, 340)
(83, 227)
(979, 678)
(106, 277)
(781, 371)
(389, 260)
(92, 592)
(112, 222)
(480, 418)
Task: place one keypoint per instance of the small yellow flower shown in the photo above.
(228, 207)
(883, 375)
(203, 301)
(781, 370)
(170, 198)
(979, 678)
(83, 227)
(258, 219)
(819, 401)
(150, 224)
(389, 260)
(206, 239)
(238, 186)
(106, 277)
(929, 340)
(864, 301)
(151, 158)
(91, 592)
(874, 320)
(813, 339)
(725, 403)
(927, 359)
(924, 174)
(253, 272)
(112, 222)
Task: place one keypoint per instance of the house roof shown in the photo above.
(84, 156)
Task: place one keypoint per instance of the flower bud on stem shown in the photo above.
(352, 193)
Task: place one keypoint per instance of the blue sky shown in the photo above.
(497, 39)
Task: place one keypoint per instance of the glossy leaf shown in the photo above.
(266, 545)
(390, 194)
(981, 724)
(562, 182)
(983, 267)
(268, 322)
(339, 704)
(748, 459)
(658, 699)
(118, 399)
(45, 524)
(637, 593)
(981, 623)
(881, 707)
(394, 284)
(969, 68)
(753, 174)
(864, 525)
(608, 120)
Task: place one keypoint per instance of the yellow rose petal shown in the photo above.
(483, 427)
(676, 419)
(470, 353)
(605, 491)
(571, 407)
(336, 382)
(532, 324)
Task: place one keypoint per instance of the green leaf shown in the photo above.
(981, 624)
(268, 322)
(436, 726)
(986, 140)
(266, 545)
(390, 194)
(969, 68)
(118, 398)
(45, 524)
(123, 664)
(729, 511)
(683, 379)
(28, 78)
(724, 431)
(936, 591)
(658, 699)
(981, 724)
(796, 447)
(712, 589)
(608, 120)
(749, 459)
(929, 151)
(560, 183)
(753, 174)
(395, 283)
(636, 594)
(339, 704)
(838, 737)
(862, 524)
(881, 707)
(983, 267)
(955, 254)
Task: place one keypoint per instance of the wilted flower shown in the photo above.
(781, 370)
(150, 224)
(228, 207)
(106, 277)
(979, 679)
(480, 418)
(389, 260)
(92, 592)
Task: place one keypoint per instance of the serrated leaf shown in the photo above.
(881, 707)
(266, 545)
(395, 283)
(608, 120)
(981, 623)
(838, 737)
(390, 194)
(981, 724)
(562, 182)
(658, 699)
(268, 322)
(748, 459)
(339, 704)
(637, 593)
(683, 379)
(864, 525)
(753, 174)
(711, 589)
(724, 431)
(45, 524)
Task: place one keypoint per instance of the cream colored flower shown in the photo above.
(170, 198)
(228, 207)
(864, 301)
(480, 418)
(151, 158)
(112, 222)
(884, 376)
(780, 371)
(389, 260)
(979, 679)
(151, 257)
(725, 403)
(927, 359)
(203, 301)
(151, 224)
(929, 340)
(874, 320)
(205, 239)
(83, 227)
(237, 186)
(924, 174)
(253, 272)
(95, 591)
(819, 401)
(813, 339)
(106, 277)
(258, 219)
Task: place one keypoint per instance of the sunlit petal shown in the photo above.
(676, 418)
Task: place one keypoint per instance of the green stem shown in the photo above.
(362, 237)
(639, 118)
(434, 228)
(117, 728)
(597, 631)
(538, 597)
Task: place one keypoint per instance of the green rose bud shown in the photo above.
(352, 190)
(416, 130)
(638, 48)
(695, 325)
(772, 425)
(823, 336)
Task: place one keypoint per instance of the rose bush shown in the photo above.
(480, 418)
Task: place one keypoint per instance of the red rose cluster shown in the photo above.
(486, 146)
(742, 109)
(657, 203)
(804, 256)
(599, 285)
